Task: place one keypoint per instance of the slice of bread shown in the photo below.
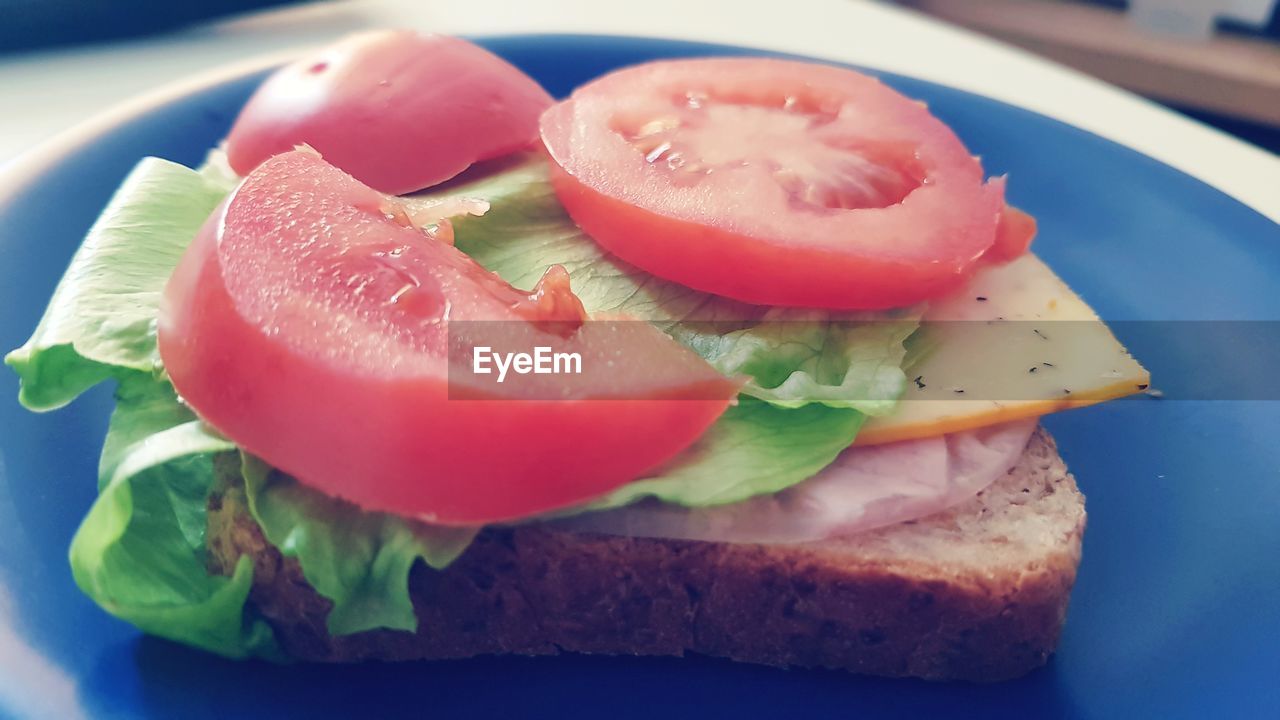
(978, 592)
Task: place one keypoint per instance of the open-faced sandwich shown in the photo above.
(736, 356)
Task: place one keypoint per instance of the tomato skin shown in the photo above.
(903, 217)
(398, 110)
(1014, 234)
(380, 428)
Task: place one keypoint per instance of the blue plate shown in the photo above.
(1176, 612)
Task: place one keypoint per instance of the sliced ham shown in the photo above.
(865, 488)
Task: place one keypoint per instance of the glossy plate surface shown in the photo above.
(1176, 612)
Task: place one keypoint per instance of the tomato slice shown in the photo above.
(312, 323)
(773, 182)
(398, 110)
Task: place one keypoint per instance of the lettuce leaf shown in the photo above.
(141, 553)
(359, 560)
(793, 357)
(798, 357)
(102, 317)
(755, 448)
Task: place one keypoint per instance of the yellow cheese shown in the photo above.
(1030, 346)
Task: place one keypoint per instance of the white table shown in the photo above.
(45, 93)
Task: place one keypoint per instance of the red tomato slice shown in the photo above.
(398, 110)
(773, 182)
(312, 324)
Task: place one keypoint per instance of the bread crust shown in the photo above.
(861, 604)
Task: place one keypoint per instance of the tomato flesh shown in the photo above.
(311, 324)
(773, 182)
(398, 110)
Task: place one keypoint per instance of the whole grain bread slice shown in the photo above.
(978, 592)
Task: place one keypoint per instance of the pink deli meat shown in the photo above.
(865, 488)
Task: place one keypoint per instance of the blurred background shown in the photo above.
(1215, 60)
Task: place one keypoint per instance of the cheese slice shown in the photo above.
(1015, 343)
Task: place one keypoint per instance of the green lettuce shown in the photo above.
(141, 552)
(358, 560)
(102, 318)
(755, 448)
